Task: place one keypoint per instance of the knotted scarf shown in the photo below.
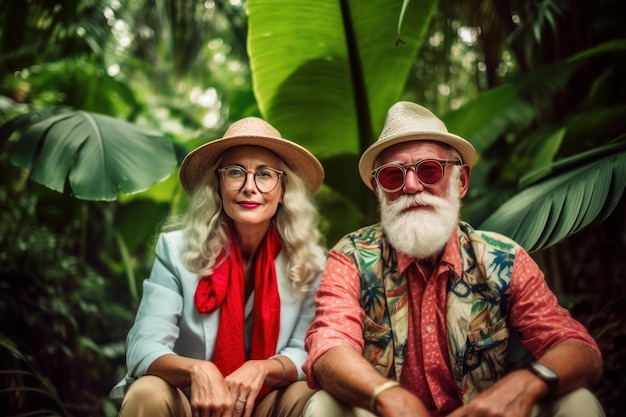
(225, 288)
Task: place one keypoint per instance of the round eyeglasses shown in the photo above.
(265, 179)
(392, 177)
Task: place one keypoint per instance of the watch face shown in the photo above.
(547, 375)
(544, 372)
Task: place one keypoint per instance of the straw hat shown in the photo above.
(407, 122)
(256, 132)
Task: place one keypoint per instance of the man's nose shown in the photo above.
(412, 184)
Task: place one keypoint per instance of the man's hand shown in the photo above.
(512, 396)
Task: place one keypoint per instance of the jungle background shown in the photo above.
(101, 99)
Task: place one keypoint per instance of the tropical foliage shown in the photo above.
(98, 156)
(100, 100)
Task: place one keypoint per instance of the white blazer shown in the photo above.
(168, 322)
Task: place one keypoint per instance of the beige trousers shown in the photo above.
(151, 396)
(579, 403)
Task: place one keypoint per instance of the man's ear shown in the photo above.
(375, 188)
(464, 180)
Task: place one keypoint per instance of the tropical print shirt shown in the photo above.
(445, 337)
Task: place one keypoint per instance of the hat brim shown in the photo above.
(366, 163)
(297, 158)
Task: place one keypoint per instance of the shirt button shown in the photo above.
(429, 328)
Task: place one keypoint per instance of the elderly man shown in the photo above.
(415, 315)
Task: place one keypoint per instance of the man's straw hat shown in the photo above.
(256, 132)
(407, 122)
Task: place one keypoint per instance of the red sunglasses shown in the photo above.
(430, 172)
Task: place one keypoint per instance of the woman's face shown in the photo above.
(249, 208)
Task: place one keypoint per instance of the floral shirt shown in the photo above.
(428, 363)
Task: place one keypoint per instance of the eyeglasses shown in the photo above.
(392, 177)
(265, 179)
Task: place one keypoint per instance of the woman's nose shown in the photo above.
(249, 185)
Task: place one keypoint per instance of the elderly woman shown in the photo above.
(220, 327)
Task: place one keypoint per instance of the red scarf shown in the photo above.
(225, 288)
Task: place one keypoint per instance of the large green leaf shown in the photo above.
(574, 161)
(507, 108)
(516, 110)
(490, 115)
(95, 155)
(326, 71)
(562, 204)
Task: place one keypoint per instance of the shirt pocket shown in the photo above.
(376, 334)
(488, 337)
(485, 356)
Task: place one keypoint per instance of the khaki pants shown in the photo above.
(151, 396)
(579, 403)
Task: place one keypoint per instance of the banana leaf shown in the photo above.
(583, 190)
(90, 155)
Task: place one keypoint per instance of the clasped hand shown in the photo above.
(213, 395)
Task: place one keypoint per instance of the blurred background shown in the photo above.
(101, 99)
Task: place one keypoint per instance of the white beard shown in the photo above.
(421, 233)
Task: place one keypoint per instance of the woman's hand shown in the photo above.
(210, 395)
(245, 384)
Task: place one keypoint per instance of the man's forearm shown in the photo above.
(576, 364)
(344, 373)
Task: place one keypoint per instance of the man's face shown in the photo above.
(418, 219)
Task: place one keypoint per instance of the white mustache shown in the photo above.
(405, 202)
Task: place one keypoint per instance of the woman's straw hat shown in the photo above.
(407, 122)
(257, 132)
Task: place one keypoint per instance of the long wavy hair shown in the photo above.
(205, 225)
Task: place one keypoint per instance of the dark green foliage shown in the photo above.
(589, 272)
(63, 320)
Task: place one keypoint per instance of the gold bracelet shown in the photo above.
(284, 371)
(380, 388)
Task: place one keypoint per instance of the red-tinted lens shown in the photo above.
(391, 177)
(429, 172)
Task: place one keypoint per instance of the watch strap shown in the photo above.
(547, 375)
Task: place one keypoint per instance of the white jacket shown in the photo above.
(168, 322)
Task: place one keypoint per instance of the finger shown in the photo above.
(249, 409)
(240, 405)
(195, 411)
(250, 404)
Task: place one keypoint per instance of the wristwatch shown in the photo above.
(547, 375)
